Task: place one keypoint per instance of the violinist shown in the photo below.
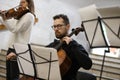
(20, 28)
(76, 52)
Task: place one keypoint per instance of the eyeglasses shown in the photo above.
(59, 26)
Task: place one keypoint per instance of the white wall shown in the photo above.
(99, 3)
(45, 10)
(42, 33)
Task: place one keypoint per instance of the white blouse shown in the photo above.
(21, 29)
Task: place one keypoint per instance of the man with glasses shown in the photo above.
(76, 52)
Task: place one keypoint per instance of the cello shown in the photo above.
(64, 60)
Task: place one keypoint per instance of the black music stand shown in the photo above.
(101, 32)
(38, 62)
(107, 29)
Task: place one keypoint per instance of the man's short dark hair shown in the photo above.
(64, 17)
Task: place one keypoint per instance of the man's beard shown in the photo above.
(60, 36)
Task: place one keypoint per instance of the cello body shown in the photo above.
(26, 78)
(64, 61)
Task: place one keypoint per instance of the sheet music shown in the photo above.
(101, 32)
(88, 13)
(46, 61)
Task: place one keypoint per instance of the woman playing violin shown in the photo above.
(76, 53)
(20, 29)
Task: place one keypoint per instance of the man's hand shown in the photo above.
(67, 39)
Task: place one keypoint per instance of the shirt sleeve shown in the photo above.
(80, 54)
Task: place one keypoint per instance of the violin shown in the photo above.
(2, 27)
(64, 60)
(16, 12)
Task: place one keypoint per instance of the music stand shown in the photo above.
(38, 62)
(101, 32)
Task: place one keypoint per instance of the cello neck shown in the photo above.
(74, 31)
(58, 46)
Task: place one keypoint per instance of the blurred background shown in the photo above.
(42, 33)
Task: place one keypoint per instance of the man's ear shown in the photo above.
(68, 26)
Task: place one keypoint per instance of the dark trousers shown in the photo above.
(12, 70)
(85, 76)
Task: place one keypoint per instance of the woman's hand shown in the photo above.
(11, 56)
(2, 14)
